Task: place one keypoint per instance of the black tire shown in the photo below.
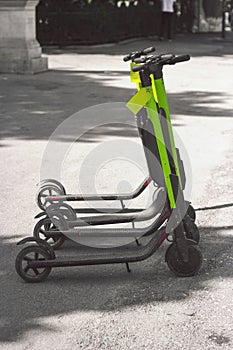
(178, 266)
(47, 190)
(191, 212)
(52, 182)
(64, 209)
(191, 229)
(40, 229)
(28, 274)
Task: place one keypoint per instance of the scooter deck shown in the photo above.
(124, 254)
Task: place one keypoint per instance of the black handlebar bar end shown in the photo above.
(148, 50)
(126, 58)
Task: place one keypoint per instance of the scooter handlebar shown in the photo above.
(137, 54)
(180, 58)
(162, 60)
(148, 50)
(127, 57)
(140, 60)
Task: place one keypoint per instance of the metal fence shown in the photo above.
(61, 23)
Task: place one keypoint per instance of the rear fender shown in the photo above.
(40, 242)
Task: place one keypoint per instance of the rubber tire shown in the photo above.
(56, 189)
(191, 229)
(52, 182)
(191, 212)
(65, 209)
(19, 268)
(180, 268)
(57, 243)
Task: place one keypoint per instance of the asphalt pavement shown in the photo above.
(104, 307)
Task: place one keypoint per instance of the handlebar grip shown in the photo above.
(148, 50)
(127, 58)
(180, 58)
(167, 56)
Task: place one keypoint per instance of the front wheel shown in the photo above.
(31, 254)
(41, 232)
(176, 263)
(191, 229)
(191, 212)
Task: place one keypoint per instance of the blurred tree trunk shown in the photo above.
(187, 15)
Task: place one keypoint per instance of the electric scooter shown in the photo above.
(167, 210)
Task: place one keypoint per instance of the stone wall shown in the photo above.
(20, 52)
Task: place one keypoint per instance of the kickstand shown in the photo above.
(128, 269)
(122, 204)
(137, 242)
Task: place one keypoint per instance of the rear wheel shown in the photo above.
(28, 255)
(176, 263)
(46, 191)
(52, 182)
(41, 230)
(63, 209)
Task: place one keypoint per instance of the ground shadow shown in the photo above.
(200, 104)
(101, 288)
(33, 106)
(213, 207)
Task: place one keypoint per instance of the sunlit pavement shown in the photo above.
(104, 307)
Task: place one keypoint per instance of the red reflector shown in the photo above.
(147, 182)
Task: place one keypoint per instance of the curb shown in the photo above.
(96, 46)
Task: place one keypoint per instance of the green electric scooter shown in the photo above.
(166, 212)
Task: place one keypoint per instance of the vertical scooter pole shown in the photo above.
(161, 96)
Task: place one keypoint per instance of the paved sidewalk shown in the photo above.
(97, 60)
(103, 307)
(84, 76)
